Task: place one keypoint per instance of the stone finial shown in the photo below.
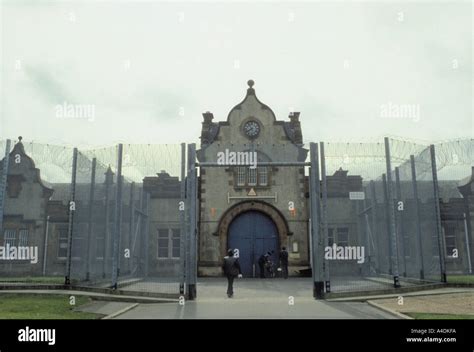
(250, 83)
(208, 116)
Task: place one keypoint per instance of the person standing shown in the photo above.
(284, 262)
(261, 263)
(231, 267)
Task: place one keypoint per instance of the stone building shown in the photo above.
(253, 207)
(255, 210)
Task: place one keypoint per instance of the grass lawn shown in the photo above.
(439, 316)
(460, 279)
(27, 306)
(34, 279)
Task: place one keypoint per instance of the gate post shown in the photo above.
(191, 197)
(182, 222)
(324, 216)
(317, 251)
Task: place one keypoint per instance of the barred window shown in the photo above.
(9, 237)
(62, 242)
(343, 236)
(450, 240)
(330, 237)
(246, 176)
(262, 176)
(79, 246)
(23, 238)
(169, 243)
(252, 181)
(175, 250)
(241, 176)
(163, 243)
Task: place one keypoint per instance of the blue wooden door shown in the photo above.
(253, 234)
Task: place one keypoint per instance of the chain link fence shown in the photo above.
(98, 218)
(383, 220)
(392, 214)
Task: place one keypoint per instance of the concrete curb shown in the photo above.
(388, 310)
(121, 311)
(92, 295)
(407, 294)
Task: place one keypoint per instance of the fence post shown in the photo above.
(108, 181)
(375, 233)
(393, 230)
(71, 209)
(3, 182)
(117, 220)
(191, 195)
(387, 223)
(182, 221)
(438, 213)
(324, 215)
(399, 217)
(131, 219)
(90, 215)
(317, 251)
(146, 237)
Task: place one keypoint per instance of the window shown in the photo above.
(23, 238)
(245, 176)
(343, 236)
(62, 242)
(169, 243)
(163, 243)
(241, 176)
(77, 247)
(9, 237)
(262, 176)
(252, 173)
(175, 251)
(330, 237)
(450, 240)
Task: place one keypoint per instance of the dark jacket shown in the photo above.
(284, 257)
(231, 266)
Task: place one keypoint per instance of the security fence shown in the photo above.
(87, 214)
(374, 217)
(385, 213)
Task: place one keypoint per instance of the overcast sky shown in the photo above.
(149, 69)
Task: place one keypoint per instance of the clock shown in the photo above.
(251, 129)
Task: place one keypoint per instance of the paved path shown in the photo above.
(254, 299)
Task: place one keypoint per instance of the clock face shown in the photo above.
(252, 129)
